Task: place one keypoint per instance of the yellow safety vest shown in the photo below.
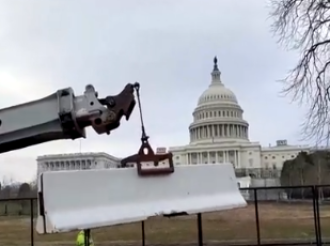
(81, 239)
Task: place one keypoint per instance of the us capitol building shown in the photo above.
(218, 134)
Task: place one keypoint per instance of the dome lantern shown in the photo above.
(216, 72)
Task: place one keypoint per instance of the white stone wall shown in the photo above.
(242, 155)
(77, 161)
(274, 157)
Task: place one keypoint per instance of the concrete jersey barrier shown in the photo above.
(87, 199)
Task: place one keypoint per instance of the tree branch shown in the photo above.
(304, 25)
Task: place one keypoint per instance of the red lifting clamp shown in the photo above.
(146, 154)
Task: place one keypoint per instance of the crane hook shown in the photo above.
(146, 153)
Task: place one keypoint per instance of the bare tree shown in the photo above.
(303, 25)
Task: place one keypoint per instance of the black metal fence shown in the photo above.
(297, 215)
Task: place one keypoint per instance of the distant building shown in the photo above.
(76, 161)
(219, 134)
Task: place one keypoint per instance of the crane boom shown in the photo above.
(62, 115)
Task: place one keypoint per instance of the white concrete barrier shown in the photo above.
(76, 200)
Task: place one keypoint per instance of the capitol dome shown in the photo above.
(218, 117)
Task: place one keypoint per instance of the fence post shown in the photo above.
(317, 201)
(316, 227)
(143, 234)
(31, 221)
(87, 236)
(200, 229)
(256, 208)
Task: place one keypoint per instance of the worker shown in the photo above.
(81, 239)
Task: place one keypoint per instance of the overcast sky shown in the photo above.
(168, 46)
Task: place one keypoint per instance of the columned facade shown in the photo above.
(76, 161)
(231, 156)
(213, 131)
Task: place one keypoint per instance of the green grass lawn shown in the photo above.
(278, 222)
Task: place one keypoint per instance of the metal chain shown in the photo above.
(144, 137)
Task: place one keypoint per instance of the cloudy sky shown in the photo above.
(168, 46)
